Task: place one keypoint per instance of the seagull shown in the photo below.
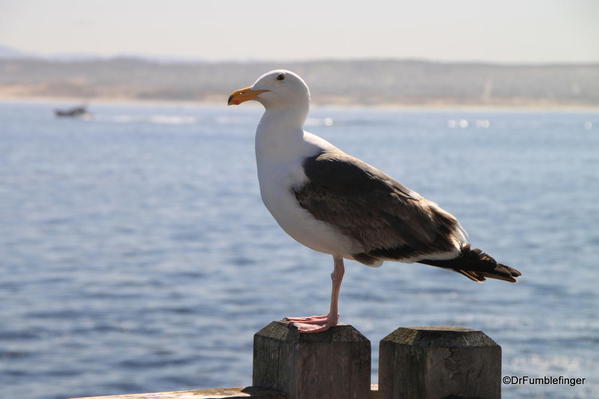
(337, 204)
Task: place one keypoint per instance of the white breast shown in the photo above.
(279, 171)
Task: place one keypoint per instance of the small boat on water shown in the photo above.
(74, 112)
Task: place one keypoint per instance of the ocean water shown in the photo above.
(136, 254)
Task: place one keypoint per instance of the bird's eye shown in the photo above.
(280, 76)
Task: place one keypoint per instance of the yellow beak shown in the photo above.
(242, 95)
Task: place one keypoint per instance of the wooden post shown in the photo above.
(438, 363)
(333, 364)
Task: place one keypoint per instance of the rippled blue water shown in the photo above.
(136, 254)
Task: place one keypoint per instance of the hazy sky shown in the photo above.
(502, 30)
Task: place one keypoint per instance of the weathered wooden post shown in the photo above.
(439, 363)
(334, 364)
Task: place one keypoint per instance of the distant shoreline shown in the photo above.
(389, 106)
(387, 84)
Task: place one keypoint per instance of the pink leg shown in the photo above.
(314, 324)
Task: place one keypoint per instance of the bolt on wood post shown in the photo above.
(439, 363)
(334, 364)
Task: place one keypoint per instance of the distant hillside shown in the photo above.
(10, 52)
(366, 82)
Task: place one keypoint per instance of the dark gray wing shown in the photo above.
(386, 219)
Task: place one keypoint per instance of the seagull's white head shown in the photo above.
(278, 89)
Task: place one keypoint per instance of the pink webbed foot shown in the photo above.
(313, 324)
(308, 319)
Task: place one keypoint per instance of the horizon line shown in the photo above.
(178, 60)
(187, 59)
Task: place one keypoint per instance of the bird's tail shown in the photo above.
(476, 265)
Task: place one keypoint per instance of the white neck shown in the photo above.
(280, 133)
